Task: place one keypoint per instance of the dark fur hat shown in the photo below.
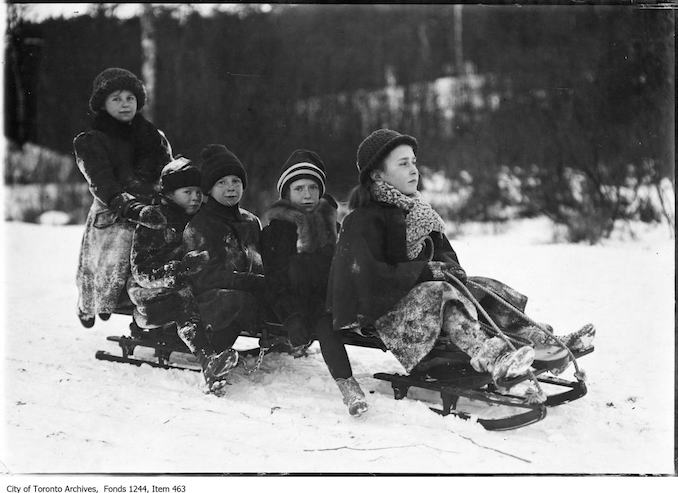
(115, 79)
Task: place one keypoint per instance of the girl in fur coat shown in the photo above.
(121, 157)
(393, 266)
(297, 248)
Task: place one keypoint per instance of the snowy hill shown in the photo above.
(67, 412)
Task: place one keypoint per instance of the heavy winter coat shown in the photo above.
(116, 157)
(114, 160)
(230, 287)
(370, 272)
(158, 286)
(297, 250)
(232, 237)
(373, 284)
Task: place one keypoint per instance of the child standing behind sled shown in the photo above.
(160, 270)
(121, 157)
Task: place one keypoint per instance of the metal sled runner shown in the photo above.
(453, 379)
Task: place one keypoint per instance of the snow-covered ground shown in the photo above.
(66, 412)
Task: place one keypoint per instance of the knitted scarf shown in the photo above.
(420, 219)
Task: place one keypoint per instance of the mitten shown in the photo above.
(434, 271)
(125, 206)
(151, 217)
(456, 270)
(194, 261)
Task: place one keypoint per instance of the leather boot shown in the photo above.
(215, 366)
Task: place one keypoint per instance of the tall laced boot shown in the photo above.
(496, 358)
(215, 366)
(354, 398)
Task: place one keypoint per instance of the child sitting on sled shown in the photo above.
(161, 268)
(230, 288)
(297, 248)
(395, 272)
(121, 157)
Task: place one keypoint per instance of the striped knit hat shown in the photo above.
(301, 164)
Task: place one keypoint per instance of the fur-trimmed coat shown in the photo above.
(111, 161)
(158, 287)
(232, 237)
(371, 272)
(297, 250)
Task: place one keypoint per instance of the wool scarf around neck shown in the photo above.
(420, 219)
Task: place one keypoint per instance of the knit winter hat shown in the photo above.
(217, 162)
(301, 164)
(179, 173)
(377, 145)
(115, 79)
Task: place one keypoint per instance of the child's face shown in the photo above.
(121, 105)
(227, 190)
(305, 193)
(400, 170)
(188, 198)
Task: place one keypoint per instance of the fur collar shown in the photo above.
(315, 229)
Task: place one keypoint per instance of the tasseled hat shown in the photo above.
(115, 79)
(179, 173)
(217, 162)
(302, 163)
(377, 145)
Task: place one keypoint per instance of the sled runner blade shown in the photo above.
(468, 386)
(577, 390)
(106, 356)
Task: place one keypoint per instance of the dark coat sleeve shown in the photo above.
(363, 285)
(153, 263)
(279, 245)
(96, 165)
(442, 249)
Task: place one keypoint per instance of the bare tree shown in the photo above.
(148, 57)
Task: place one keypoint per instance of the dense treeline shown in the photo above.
(585, 94)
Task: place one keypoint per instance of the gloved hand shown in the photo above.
(456, 270)
(194, 261)
(151, 217)
(438, 271)
(132, 209)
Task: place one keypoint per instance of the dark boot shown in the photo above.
(215, 366)
(86, 321)
(354, 398)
